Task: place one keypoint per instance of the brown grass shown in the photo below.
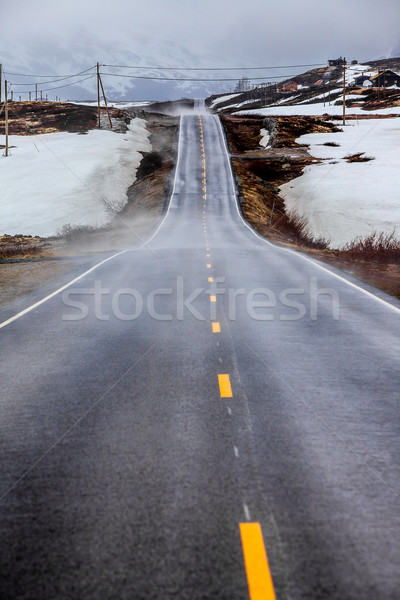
(20, 247)
(378, 247)
(358, 157)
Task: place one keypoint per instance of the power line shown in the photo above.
(214, 68)
(196, 79)
(59, 87)
(62, 76)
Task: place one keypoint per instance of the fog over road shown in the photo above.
(130, 469)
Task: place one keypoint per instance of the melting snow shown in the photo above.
(343, 201)
(58, 178)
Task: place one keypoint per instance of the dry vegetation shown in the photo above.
(20, 246)
(259, 173)
(32, 118)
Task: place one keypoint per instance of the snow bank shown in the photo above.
(58, 178)
(315, 109)
(343, 201)
(115, 104)
(264, 142)
(222, 99)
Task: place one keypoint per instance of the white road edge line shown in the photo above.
(246, 512)
(67, 285)
(349, 283)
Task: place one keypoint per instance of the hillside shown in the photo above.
(319, 86)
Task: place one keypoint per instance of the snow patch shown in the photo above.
(316, 109)
(264, 142)
(58, 178)
(223, 99)
(344, 201)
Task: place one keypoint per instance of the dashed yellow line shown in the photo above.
(210, 279)
(213, 298)
(216, 327)
(225, 386)
(258, 574)
(208, 266)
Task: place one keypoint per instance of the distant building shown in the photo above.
(336, 62)
(354, 62)
(292, 86)
(385, 79)
(361, 79)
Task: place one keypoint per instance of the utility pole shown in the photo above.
(36, 92)
(105, 101)
(6, 116)
(30, 96)
(100, 83)
(98, 95)
(1, 79)
(344, 91)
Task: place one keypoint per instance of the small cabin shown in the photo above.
(336, 62)
(361, 79)
(385, 79)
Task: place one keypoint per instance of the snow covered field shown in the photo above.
(315, 109)
(343, 201)
(58, 178)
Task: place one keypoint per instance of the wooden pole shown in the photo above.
(105, 101)
(344, 92)
(1, 79)
(98, 95)
(36, 91)
(6, 116)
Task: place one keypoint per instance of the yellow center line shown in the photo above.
(256, 563)
(210, 279)
(208, 266)
(208, 255)
(225, 386)
(213, 298)
(216, 328)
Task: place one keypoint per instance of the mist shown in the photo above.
(62, 38)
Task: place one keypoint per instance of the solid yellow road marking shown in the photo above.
(208, 266)
(255, 559)
(210, 279)
(225, 386)
(213, 298)
(216, 327)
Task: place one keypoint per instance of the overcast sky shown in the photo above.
(50, 36)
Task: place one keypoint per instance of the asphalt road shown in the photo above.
(126, 471)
